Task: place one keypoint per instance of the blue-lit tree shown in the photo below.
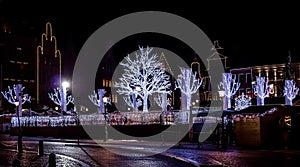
(262, 89)
(16, 97)
(98, 100)
(290, 91)
(132, 101)
(230, 88)
(59, 97)
(143, 75)
(188, 85)
(163, 101)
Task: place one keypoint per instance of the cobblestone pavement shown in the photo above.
(209, 155)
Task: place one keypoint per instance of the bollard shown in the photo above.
(19, 144)
(41, 148)
(52, 160)
(16, 163)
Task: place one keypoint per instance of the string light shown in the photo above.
(242, 102)
(47, 36)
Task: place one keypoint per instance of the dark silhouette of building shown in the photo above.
(17, 58)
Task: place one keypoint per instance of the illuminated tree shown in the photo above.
(143, 75)
(230, 88)
(262, 90)
(290, 91)
(98, 100)
(60, 97)
(133, 101)
(163, 101)
(16, 97)
(188, 85)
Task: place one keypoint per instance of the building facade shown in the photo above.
(24, 59)
(17, 59)
(273, 73)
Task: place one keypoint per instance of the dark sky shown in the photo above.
(251, 34)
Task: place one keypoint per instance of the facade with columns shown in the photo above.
(273, 73)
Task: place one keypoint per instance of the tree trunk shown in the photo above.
(260, 101)
(288, 101)
(145, 104)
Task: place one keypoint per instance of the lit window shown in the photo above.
(103, 82)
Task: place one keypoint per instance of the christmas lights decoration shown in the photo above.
(290, 91)
(163, 101)
(262, 89)
(188, 84)
(16, 97)
(144, 76)
(98, 100)
(59, 97)
(242, 102)
(132, 101)
(47, 50)
(230, 88)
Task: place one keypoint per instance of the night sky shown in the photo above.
(251, 34)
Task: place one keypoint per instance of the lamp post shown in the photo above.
(64, 85)
(105, 101)
(19, 144)
(223, 137)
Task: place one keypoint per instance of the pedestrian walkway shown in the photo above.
(208, 155)
(8, 152)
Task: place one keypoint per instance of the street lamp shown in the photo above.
(105, 101)
(19, 145)
(223, 138)
(64, 85)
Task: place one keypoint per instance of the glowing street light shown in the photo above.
(65, 84)
(19, 144)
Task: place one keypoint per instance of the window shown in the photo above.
(248, 78)
(241, 91)
(241, 78)
(103, 82)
